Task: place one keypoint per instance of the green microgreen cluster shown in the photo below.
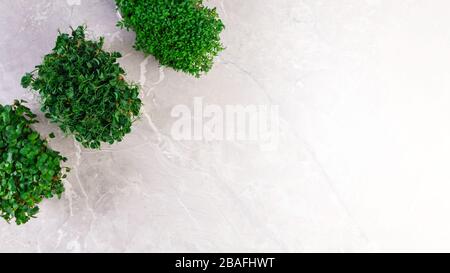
(182, 34)
(29, 170)
(83, 90)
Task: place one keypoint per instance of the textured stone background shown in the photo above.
(363, 89)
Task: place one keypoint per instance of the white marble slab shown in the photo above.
(363, 161)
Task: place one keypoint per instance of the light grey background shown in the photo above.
(363, 163)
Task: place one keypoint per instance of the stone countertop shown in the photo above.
(364, 141)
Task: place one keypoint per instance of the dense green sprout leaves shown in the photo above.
(29, 170)
(182, 34)
(83, 90)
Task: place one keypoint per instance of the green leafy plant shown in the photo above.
(84, 91)
(182, 34)
(29, 170)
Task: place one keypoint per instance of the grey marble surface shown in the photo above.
(362, 162)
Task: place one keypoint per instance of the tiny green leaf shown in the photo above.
(26, 80)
